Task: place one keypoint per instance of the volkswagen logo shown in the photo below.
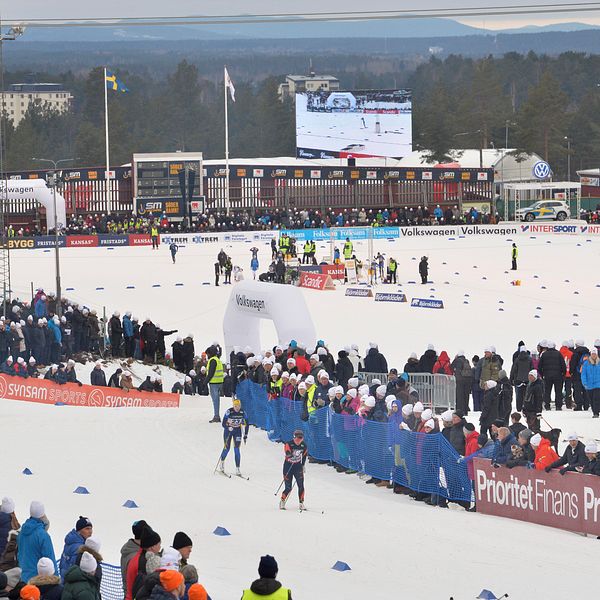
(541, 170)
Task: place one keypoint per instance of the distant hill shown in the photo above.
(384, 28)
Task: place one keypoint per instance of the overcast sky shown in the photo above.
(25, 9)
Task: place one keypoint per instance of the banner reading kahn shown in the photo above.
(570, 501)
(44, 391)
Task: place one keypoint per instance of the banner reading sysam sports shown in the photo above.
(44, 391)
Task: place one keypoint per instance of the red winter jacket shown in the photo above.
(544, 455)
(442, 364)
(302, 365)
(471, 443)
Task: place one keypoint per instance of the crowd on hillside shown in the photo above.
(150, 569)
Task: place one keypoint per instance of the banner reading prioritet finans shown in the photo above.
(570, 501)
(44, 391)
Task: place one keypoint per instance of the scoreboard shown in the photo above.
(167, 183)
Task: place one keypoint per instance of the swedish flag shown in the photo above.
(114, 84)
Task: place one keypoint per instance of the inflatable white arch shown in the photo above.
(36, 189)
(251, 301)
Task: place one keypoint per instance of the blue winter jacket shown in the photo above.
(33, 543)
(55, 329)
(502, 450)
(590, 376)
(5, 527)
(73, 541)
(40, 308)
(127, 327)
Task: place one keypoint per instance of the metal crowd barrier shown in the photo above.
(436, 391)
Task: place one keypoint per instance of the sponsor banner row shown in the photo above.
(316, 281)
(44, 391)
(570, 501)
(301, 235)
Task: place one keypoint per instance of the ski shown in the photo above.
(224, 474)
(243, 477)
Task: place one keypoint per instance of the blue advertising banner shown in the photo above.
(341, 233)
(48, 241)
(389, 297)
(427, 303)
(113, 240)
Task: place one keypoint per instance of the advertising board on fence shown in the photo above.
(334, 271)
(82, 241)
(316, 281)
(570, 501)
(44, 391)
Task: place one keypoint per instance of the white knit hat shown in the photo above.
(352, 393)
(45, 567)
(426, 414)
(407, 410)
(37, 510)
(535, 440)
(8, 505)
(571, 437)
(370, 401)
(353, 382)
(418, 407)
(93, 543)
(381, 391)
(430, 424)
(88, 563)
(447, 416)
(591, 447)
(170, 560)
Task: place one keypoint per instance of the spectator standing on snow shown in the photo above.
(552, 369)
(464, 381)
(590, 378)
(214, 377)
(490, 366)
(116, 332)
(73, 541)
(267, 586)
(519, 373)
(97, 376)
(34, 542)
(424, 269)
(80, 580)
(534, 401)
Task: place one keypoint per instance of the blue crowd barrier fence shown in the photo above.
(425, 463)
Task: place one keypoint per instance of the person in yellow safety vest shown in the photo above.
(267, 587)
(154, 233)
(311, 386)
(348, 249)
(313, 251)
(306, 252)
(214, 377)
(392, 268)
(515, 255)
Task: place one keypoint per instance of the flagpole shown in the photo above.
(225, 90)
(106, 178)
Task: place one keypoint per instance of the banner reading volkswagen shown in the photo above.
(356, 123)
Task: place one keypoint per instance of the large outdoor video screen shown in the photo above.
(358, 123)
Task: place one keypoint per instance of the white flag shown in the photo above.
(229, 84)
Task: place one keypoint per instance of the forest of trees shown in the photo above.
(541, 102)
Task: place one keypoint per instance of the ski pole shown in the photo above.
(283, 480)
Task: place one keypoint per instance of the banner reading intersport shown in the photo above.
(570, 501)
(45, 391)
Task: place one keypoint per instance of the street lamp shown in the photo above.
(55, 164)
(568, 140)
(480, 143)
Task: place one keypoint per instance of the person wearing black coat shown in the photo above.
(280, 271)
(188, 353)
(527, 453)
(148, 336)
(505, 397)
(343, 369)
(456, 434)
(423, 269)
(375, 361)
(552, 369)
(534, 401)
(116, 333)
(573, 457)
(580, 394)
(593, 466)
(77, 324)
(412, 364)
(427, 361)
(49, 586)
(97, 376)
(160, 341)
(519, 371)
(489, 409)
(147, 385)
(115, 379)
(177, 354)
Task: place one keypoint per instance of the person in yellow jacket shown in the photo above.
(267, 587)
(348, 249)
(214, 377)
(514, 254)
(154, 234)
(306, 252)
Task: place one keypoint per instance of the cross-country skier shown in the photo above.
(293, 467)
(233, 421)
(173, 248)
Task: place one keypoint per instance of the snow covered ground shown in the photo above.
(164, 458)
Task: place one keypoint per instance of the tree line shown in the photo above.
(542, 104)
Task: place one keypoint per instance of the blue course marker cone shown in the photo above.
(59, 403)
(543, 287)
(536, 317)
(500, 301)
(341, 566)
(70, 289)
(457, 273)
(80, 490)
(156, 285)
(484, 278)
(27, 471)
(221, 531)
(538, 308)
(467, 295)
(465, 302)
(443, 263)
(575, 324)
(130, 504)
(576, 292)
(130, 287)
(178, 284)
(575, 315)
(99, 288)
(500, 309)
(452, 239)
(206, 283)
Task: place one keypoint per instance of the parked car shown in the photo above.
(554, 210)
